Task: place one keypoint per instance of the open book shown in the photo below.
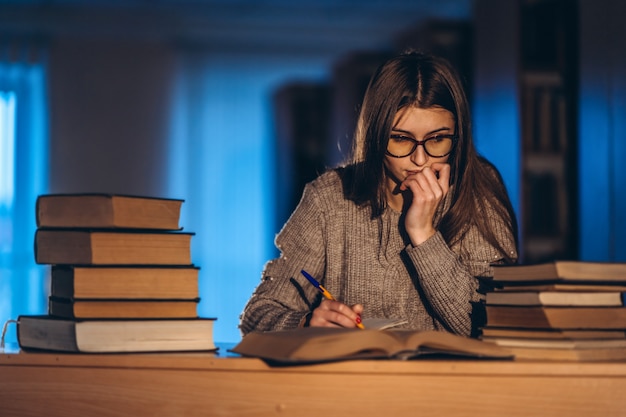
(325, 344)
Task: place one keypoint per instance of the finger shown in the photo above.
(358, 309)
(425, 187)
(427, 173)
(335, 314)
(430, 181)
(331, 318)
(443, 174)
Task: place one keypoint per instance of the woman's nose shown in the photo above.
(419, 155)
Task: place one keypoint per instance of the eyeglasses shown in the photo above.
(400, 146)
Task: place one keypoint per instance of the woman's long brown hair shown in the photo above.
(426, 81)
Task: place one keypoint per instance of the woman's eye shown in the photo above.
(400, 138)
(437, 138)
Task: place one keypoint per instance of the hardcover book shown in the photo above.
(122, 309)
(543, 317)
(107, 211)
(599, 354)
(125, 282)
(556, 298)
(107, 247)
(109, 336)
(520, 333)
(562, 271)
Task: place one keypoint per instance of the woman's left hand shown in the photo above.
(427, 188)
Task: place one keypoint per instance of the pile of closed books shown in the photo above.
(121, 277)
(562, 310)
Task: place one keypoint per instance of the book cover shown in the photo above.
(108, 247)
(122, 309)
(520, 333)
(115, 336)
(583, 286)
(556, 298)
(567, 354)
(559, 343)
(107, 211)
(124, 282)
(561, 271)
(556, 317)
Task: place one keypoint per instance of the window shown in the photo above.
(23, 176)
(7, 162)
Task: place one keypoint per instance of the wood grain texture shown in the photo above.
(206, 385)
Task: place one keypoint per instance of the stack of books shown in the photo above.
(121, 277)
(562, 310)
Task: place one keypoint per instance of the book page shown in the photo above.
(383, 323)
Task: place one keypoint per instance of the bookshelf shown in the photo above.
(302, 123)
(350, 76)
(548, 104)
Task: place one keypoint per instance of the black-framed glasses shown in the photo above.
(438, 146)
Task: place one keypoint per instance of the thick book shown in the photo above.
(561, 271)
(107, 211)
(122, 309)
(600, 354)
(556, 317)
(517, 333)
(556, 298)
(125, 282)
(107, 247)
(585, 286)
(113, 336)
(558, 343)
(324, 344)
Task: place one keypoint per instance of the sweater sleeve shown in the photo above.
(448, 277)
(284, 297)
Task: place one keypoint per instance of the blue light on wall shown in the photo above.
(496, 129)
(221, 163)
(24, 175)
(602, 125)
(7, 157)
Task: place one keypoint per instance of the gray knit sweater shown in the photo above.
(363, 260)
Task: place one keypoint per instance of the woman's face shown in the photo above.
(417, 124)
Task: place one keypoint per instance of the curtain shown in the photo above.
(23, 176)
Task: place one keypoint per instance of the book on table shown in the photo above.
(561, 310)
(124, 282)
(115, 336)
(589, 354)
(543, 317)
(558, 343)
(556, 298)
(572, 334)
(570, 286)
(582, 345)
(112, 247)
(323, 344)
(121, 277)
(561, 271)
(122, 309)
(96, 210)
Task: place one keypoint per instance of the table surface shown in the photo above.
(209, 383)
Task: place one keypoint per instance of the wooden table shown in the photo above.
(205, 384)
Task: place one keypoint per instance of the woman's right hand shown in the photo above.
(331, 313)
(428, 188)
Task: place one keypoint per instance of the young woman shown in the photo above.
(404, 229)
